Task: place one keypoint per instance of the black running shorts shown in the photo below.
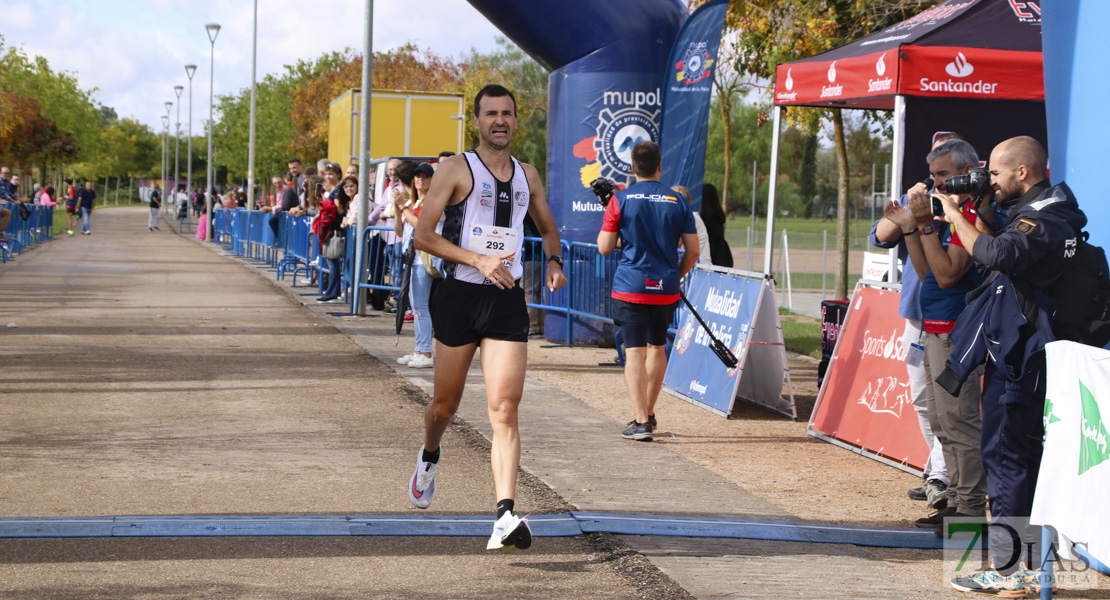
(465, 313)
(643, 324)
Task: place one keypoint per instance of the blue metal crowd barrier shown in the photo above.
(22, 232)
(589, 274)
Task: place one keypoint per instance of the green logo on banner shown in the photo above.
(1049, 416)
(1092, 445)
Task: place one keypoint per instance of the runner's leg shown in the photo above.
(503, 367)
(452, 363)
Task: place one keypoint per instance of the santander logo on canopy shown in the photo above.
(834, 90)
(880, 83)
(959, 68)
(789, 95)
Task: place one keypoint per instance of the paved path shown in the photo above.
(151, 375)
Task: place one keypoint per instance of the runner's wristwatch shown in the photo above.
(558, 260)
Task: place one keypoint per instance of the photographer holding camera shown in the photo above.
(944, 266)
(1015, 314)
(649, 220)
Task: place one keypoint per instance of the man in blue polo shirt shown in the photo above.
(944, 286)
(86, 198)
(648, 219)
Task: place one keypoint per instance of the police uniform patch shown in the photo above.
(1025, 227)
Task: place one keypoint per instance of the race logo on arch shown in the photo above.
(626, 117)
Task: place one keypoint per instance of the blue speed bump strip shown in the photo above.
(561, 525)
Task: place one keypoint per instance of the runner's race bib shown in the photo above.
(489, 240)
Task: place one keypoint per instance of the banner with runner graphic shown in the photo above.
(1074, 482)
(687, 90)
(740, 310)
(865, 403)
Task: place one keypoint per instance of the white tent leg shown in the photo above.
(897, 153)
(771, 193)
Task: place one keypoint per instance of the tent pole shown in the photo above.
(897, 153)
(771, 193)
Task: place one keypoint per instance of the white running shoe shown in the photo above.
(419, 361)
(404, 360)
(510, 533)
(422, 487)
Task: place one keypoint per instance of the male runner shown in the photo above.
(484, 196)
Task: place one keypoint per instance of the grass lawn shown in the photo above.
(801, 334)
(807, 234)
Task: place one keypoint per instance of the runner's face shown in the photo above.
(496, 121)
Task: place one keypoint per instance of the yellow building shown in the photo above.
(402, 123)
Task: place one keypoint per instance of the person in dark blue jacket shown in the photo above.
(1044, 222)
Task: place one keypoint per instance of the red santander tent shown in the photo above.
(973, 66)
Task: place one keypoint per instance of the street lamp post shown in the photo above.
(165, 131)
(213, 30)
(190, 70)
(177, 89)
(250, 150)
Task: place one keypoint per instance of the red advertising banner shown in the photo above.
(971, 73)
(865, 402)
(842, 79)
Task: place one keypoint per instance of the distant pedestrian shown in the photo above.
(86, 199)
(155, 209)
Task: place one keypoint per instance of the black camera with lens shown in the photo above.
(977, 181)
(604, 190)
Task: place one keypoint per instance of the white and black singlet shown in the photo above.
(490, 203)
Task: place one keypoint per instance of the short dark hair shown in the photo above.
(645, 158)
(293, 160)
(406, 171)
(493, 90)
(446, 153)
(289, 176)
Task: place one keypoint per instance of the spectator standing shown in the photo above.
(650, 220)
(327, 224)
(7, 194)
(155, 209)
(417, 180)
(384, 213)
(71, 207)
(86, 199)
(714, 218)
(704, 254)
(297, 169)
(945, 268)
(289, 198)
(202, 224)
(47, 197)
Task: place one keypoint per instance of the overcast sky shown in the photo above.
(135, 51)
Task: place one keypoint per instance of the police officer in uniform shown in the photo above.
(1032, 250)
(483, 196)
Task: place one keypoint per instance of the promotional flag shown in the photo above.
(687, 91)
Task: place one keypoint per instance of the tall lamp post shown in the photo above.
(165, 131)
(213, 30)
(169, 107)
(250, 151)
(190, 70)
(177, 89)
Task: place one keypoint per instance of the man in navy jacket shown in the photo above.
(1033, 250)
